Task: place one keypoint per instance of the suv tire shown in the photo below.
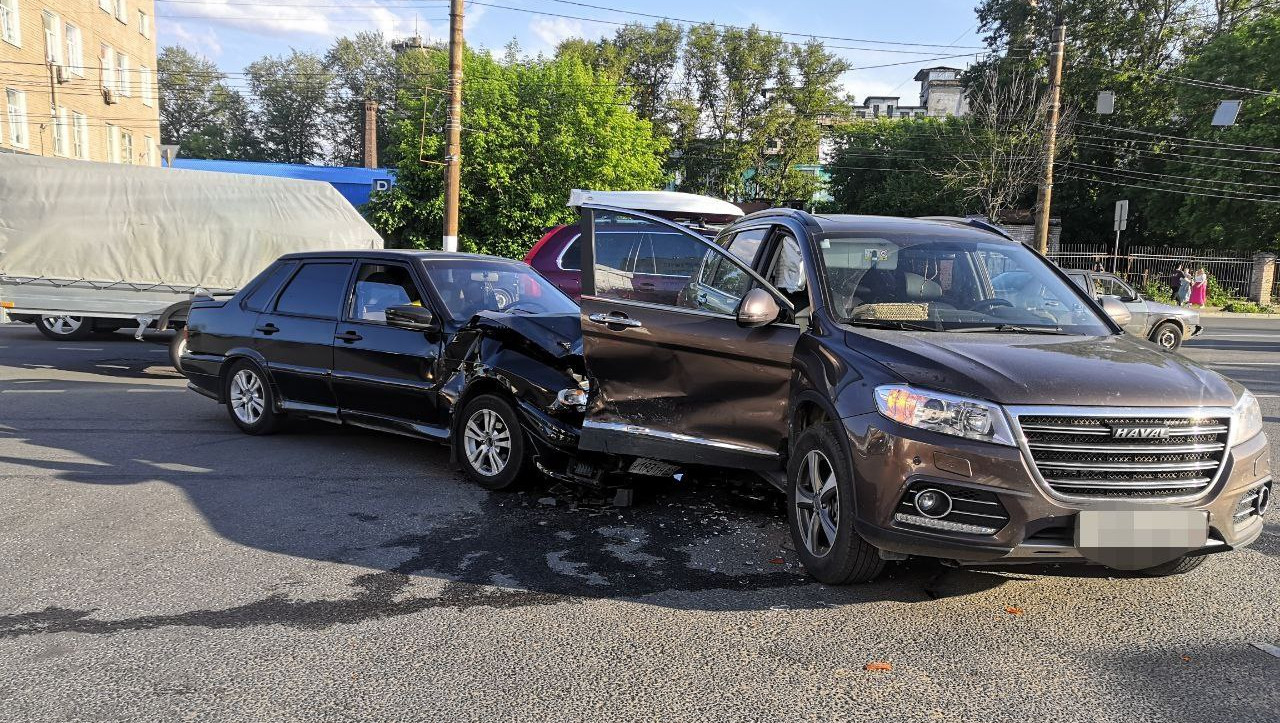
(1168, 335)
(489, 443)
(820, 499)
(1179, 566)
(250, 400)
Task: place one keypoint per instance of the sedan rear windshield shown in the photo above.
(468, 286)
(942, 284)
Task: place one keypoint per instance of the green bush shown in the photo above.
(1215, 295)
(1247, 307)
(1157, 290)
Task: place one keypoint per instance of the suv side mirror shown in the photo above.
(1116, 309)
(413, 318)
(758, 308)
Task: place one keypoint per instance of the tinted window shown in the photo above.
(260, 298)
(379, 286)
(673, 255)
(612, 248)
(316, 290)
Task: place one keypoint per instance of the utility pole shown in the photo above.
(370, 133)
(1044, 205)
(453, 161)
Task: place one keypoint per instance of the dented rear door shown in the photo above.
(680, 380)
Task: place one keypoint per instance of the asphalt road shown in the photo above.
(157, 565)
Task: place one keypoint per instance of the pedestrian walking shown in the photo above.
(1183, 294)
(1174, 281)
(1199, 287)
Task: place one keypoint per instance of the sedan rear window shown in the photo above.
(316, 290)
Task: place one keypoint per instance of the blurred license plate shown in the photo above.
(1161, 529)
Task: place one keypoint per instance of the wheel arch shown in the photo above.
(238, 354)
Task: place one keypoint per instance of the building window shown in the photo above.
(107, 64)
(144, 84)
(126, 147)
(52, 37)
(122, 74)
(75, 50)
(61, 133)
(151, 150)
(122, 11)
(16, 101)
(113, 143)
(10, 27)
(80, 135)
(144, 24)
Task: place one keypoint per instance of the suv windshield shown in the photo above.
(467, 286)
(918, 282)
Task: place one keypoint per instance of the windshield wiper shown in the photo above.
(1015, 329)
(891, 324)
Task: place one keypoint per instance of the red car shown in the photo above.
(655, 272)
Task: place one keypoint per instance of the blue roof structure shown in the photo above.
(355, 184)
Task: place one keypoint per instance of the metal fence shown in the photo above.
(1232, 269)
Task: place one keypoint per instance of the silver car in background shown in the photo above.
(1164, 324)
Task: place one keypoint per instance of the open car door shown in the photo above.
(676, 377)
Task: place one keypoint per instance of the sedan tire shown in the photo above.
(820, 511)
(1180, 566)
(1168, 335)
(250, 400)
(489, 443)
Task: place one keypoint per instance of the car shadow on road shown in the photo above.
(396, 508)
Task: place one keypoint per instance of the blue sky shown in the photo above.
(236, 32)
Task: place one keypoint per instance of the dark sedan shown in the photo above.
(389, 340)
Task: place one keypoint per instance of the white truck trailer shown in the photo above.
(95, 247)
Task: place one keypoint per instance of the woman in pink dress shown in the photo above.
(1199, 286)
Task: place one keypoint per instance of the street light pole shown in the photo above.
(453, 161)
(1045, 202)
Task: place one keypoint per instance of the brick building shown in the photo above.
(77, 79)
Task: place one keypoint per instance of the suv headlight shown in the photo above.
(945, 413)
(1246, 419)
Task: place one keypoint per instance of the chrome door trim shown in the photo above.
(614, 320)
(1016, 412)
(676, 437)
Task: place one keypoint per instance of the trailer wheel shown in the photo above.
(177, 346)
(65, 328)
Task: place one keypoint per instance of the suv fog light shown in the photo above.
(933, 503)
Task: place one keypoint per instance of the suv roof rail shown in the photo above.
(974, 222)
(799, 214)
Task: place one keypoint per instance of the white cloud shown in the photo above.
(553, 31)
(205, 41)
(303, 17)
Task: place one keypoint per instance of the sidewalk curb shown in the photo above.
(1230, 315)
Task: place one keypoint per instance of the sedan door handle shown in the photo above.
(348, 336)
(614, 320)
(268, 329)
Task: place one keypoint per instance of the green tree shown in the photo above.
(362, 67)
(888, 167)
(291, 94)
(199, 111)
(1238, 206)
(532, 131)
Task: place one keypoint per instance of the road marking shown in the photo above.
(152, 390)
(32, 391)
(79, 348)
(1244, 364)
(1237, 336)
(1267, 648)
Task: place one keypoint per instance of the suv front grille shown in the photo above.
(1082, 456)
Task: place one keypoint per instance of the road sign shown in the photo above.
(1226, 113)
(1106, 102)
(1122, 214)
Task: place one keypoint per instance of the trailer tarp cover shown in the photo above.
(104, 222)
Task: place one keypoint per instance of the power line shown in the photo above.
(1170, 190)
(1194, 142)
(1168, 175)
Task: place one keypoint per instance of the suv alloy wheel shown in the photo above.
(820, 511)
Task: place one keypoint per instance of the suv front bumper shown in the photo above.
(889, 458)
